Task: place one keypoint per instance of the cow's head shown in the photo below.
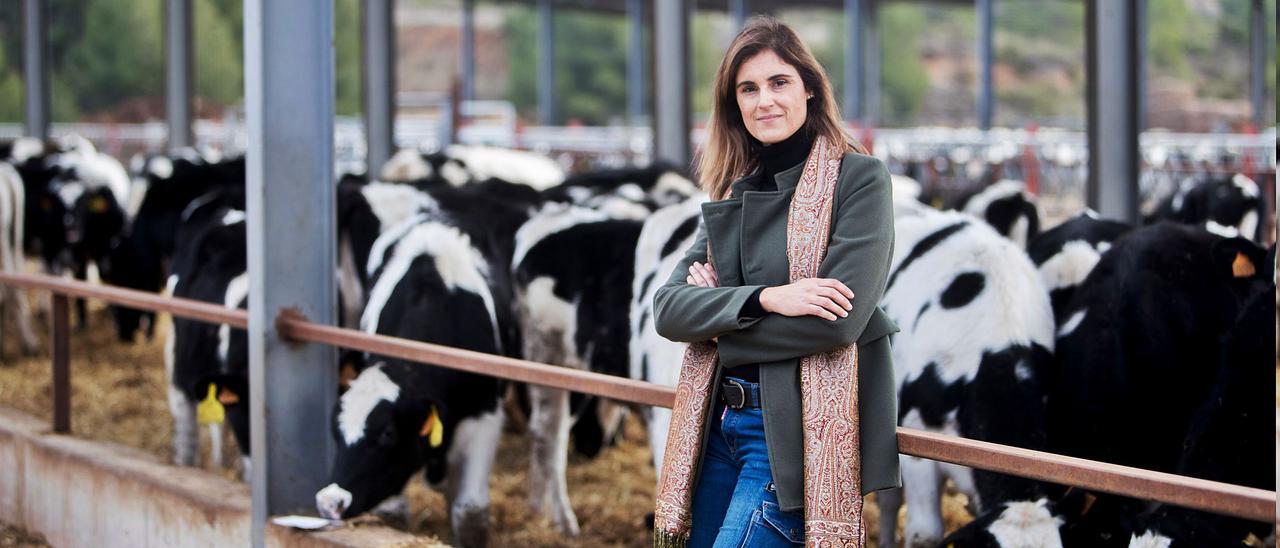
(384, 434)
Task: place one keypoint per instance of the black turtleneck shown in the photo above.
(774, 159)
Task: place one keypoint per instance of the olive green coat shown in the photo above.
(748, 235)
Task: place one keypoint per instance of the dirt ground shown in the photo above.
(12, 537)
(118, 394)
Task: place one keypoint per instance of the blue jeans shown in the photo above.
(735, 504)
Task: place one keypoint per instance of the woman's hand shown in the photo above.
(702, 275)
(822, 297)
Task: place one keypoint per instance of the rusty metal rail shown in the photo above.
(1222, 498)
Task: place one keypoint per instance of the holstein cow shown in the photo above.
(574, 269)
(627, 193)
(458, 165)
(206, 361)
(1150, 334)
(971, 360)
(1007, 207)
(430, 284)
(1066, 254)
(13, 303)
(1228, 206)
(1227, 437)
(174, 187)
(663, 240)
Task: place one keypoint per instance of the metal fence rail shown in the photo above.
(1222, 498)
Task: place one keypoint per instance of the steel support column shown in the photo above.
(289, 107)
(986, 60)
(178, 74)
(1112, 96)
(35, 66)
(379, 82)
(854, 48)
(468, 50)
(546, 64)
(637, 81)
(671, 42)
(871, 47)
(738, 10)
(1258, 62)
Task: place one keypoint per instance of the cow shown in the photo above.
(207, 361)
(458, 165)
(1066, 254)
(14, 302)
(572, 312)
(1228, 206)
(430, 284)
(1007, 207)
(1153, 360)
(666, 235)
(139, 258)
(972, 358)
(626, 193)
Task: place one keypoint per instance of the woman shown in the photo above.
(785, 410)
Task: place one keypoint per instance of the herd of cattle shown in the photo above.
(1150, 346)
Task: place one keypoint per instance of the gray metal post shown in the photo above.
(546, 64)
(1142, 63)
(379, 83)
(637, 83)
(871, 33)
(35, 57)
(178, 63)
(853, 58)
(986, 59)
(1112, 96)
(671, 42)
(468, 50)
(1257, 62)
(289, 94)
(738, 14)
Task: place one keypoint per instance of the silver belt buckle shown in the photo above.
(741, 400)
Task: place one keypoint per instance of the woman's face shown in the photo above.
(771, 97)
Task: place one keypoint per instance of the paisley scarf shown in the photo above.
(828, 385)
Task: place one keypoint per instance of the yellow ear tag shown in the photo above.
(1242, 267)
(433, 428)
(210, 411)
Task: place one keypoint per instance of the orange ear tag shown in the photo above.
(1242, 267)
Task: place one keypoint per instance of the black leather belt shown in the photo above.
(737, 395)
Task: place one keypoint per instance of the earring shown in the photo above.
(811, 96)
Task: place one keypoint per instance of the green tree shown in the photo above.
(590, 64)
(119, 56)
(347, 51)
(219, 70)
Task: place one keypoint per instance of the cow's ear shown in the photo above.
(346, 374)
(1239, 257)
(227, 397)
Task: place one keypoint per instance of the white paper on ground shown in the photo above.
(303, 522)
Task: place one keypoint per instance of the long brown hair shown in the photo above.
(727, 154)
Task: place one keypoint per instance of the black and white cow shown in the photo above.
(574, 270)
(1066, 254)
(459, 165)
(663, 240)
(173, 187)
(971, 360)
(627, 193)
(211, 266)
(430, 284)
(1151, 357)
(13, 303)
(1228, 206)
(1007, 207)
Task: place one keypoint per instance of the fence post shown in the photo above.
(60, 339)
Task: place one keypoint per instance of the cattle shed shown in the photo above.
(291, 209)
